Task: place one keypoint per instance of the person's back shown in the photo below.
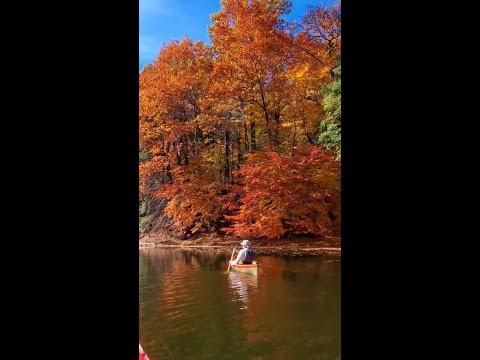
(249, 256)
(246, 255)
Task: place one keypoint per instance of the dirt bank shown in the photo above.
(261, 246)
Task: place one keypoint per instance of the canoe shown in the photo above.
(141, 354)
(248, 269)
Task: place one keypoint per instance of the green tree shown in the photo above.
(330, 127)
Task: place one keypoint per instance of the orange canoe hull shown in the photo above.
(248, 269)
(141, 354)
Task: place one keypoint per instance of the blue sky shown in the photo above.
(164, 20)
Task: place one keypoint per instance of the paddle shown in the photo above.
(231, 258)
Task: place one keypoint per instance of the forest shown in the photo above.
(242, 137)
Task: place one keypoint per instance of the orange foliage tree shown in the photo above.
(252, 58)
(170, 93)
(283, 194)
(229, 131)
(320, 37)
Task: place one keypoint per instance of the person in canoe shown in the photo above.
(246, 255)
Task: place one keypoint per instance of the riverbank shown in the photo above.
(311, 246)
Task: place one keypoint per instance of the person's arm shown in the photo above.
(241, 256)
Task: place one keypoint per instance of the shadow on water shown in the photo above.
(191, 309)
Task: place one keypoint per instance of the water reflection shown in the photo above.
(243, 286)
(191, 309)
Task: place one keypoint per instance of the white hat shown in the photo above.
(245, 243)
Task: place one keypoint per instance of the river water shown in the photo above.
(191, 309)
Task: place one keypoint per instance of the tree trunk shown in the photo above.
(169, 174)
(294, 137)
(227, 157)
(177, 153)
(196, 141)
(184, 149)
(308, 134)
(253, 141)
(276, 135)
(267, 118)
(246, 137)
(239, 149)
